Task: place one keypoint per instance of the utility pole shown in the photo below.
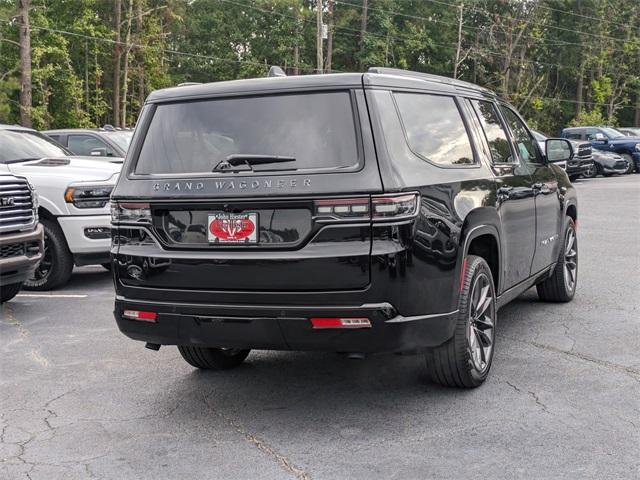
(117, 54)
(456, 62)
(363, 29)
(319, 59)
(25, 64)
(330, 36)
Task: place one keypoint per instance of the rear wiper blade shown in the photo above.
(243, 162)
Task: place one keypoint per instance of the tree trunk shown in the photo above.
(579, 89)
(636, 120)
(125, 76)
(117, 53)
(329, 35)
(363, 29)
(25, 64)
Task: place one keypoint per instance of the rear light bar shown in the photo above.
(136, 212)
(325, 322)
(378, 207)
(140, 315)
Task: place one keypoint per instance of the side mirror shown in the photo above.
(600, 137)
(98, 152)
(558, 150)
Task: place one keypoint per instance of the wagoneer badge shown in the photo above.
(232, 185)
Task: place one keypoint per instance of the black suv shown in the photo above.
(388, 211)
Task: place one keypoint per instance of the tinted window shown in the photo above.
(434, 128)
(22, 145)
(493, 129)
(317, 129)
(84, 144)
(573, 135)
(525, 143)
(122, 139)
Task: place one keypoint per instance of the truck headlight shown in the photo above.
(637, 147)
(35, 201)
(88, 196)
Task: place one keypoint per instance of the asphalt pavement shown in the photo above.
(78, 400)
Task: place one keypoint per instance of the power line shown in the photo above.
(310, 69)
(164, 50)
(398, 37)
(393, 13)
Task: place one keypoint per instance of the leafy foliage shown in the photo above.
(558, 61)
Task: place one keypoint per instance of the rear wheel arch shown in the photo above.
(483, 241)
(572, 211)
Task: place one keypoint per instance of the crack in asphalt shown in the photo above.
(632, 372)
(261, 445)
(35, 353)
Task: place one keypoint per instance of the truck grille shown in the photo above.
(16, 205)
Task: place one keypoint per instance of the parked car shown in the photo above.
(356, 213)
(21, 236)
(74, 202)
(101, 142)
(582, 162)
(610, 140)
(607, 164)
(630, 131)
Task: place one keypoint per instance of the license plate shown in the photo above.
(233, 227)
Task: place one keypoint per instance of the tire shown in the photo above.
(561, 285)
(465, 359)
(56, 265)
(7, 292)
(592, 172)
(629, 159)
(213, 358)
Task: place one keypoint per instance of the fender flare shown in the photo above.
(476, 231)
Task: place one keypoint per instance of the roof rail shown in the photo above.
(427, 76)
(186, 84)
(108, 127)
(276, 71)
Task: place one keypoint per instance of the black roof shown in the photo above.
(375, 77)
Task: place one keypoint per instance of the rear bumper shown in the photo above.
(17, 268)
(284, 327)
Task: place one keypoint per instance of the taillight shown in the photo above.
(130, 212)
(140, 315)
(376, 208)
(343, 207)
(337, 322)
(386, 207)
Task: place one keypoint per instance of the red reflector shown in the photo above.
(324, 322)
(140, 315)
(463, 273)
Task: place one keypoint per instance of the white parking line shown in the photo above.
(51, 295)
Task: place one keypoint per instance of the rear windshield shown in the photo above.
(317, 129)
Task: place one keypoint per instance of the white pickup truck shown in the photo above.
(74, 202)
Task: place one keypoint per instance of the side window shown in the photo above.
(573, 135)
(55, 138)
(494, 131)
(590, 133)
(434, 128)
(525, 143)
(83, 144)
